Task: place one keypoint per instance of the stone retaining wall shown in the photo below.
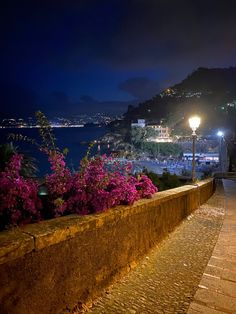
(53, 265)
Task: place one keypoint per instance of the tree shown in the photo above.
(138, 136)
(163, 149)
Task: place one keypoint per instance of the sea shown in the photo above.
(76, 140)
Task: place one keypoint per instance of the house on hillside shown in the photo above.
(154, 132)
(162, 133)
(141, 123)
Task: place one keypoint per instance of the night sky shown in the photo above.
(70, 57)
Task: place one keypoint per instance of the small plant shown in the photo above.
(45, 131)
(47, 144)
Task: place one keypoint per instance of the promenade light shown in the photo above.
(220, 134)
(194, 123)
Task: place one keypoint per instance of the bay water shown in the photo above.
(76, 140)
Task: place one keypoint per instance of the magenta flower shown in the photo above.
(19, 201)
(100, 184)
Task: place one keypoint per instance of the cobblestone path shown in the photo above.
(216, 293)
(166, 280)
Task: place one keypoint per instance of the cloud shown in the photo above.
(58, 103)
(128, 38)
(148, 35)
(128, 35)
(88, 104)
(17, 101)
(140, 87)
(167, 33)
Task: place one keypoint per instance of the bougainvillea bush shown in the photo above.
(19, 201)
(100, 184)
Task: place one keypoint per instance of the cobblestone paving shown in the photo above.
(217, 289)
(166, 280)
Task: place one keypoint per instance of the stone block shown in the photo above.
(14, 244)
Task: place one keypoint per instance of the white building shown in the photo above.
(162, 134)
(203, 157)
(141, 123)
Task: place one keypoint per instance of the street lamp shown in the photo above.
(221, 136)
(194, 123)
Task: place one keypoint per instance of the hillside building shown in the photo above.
(141, 123)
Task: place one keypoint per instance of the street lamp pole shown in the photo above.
(221, 135)
(194, 123)
(194, 135)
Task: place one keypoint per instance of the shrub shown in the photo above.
(96, 187)
(99, 185)
(28, 163)
(170, 181)
(58, 184)
(19, 201)
(165, 182)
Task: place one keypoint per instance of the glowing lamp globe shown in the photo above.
(220, 133)
(194, 123)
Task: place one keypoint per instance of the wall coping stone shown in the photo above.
(14, 244)
(33, 237)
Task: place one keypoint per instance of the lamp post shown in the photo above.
(194, 123)
(221, 135)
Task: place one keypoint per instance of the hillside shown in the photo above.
(210, 93)
(208, 80)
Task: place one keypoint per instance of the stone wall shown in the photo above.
(51, 266)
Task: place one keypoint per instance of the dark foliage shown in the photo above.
(165, 182)
(29, 167)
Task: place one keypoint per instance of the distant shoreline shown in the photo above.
(37, 126)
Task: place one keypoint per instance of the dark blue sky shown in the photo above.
(67, 57)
